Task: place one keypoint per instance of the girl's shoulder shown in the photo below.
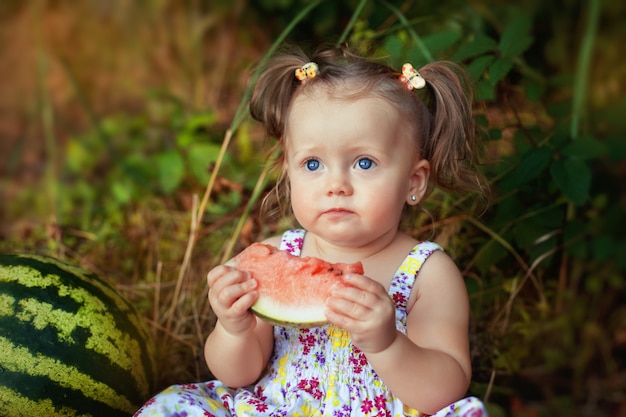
(291, 241)
(428, 263)
(439, 276)
(273, 240)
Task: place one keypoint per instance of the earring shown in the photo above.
(413, 198)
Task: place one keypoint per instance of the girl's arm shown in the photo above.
(240, 345)
(238, 360)
(430, 367)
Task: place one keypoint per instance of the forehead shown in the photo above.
(333, 121)
(337, 90)
(338, 102)
(324, 114)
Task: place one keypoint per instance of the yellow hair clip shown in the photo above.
(307, 71)
(411, 77)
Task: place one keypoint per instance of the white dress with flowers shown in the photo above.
(313, 372)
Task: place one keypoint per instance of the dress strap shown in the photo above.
(292, 241)
(402, 282)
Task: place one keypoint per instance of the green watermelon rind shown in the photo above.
(281, 316)
(56, 363)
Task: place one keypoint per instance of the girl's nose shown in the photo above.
(339, 184)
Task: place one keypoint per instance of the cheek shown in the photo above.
(389, 187)
(295, 193)
(387, 200)
(302, 206)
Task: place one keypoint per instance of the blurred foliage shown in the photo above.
(130, 154)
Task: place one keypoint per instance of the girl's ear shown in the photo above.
(418, 182)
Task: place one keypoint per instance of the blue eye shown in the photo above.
(365, 163)
(312, 164)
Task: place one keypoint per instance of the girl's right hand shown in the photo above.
(231, 294)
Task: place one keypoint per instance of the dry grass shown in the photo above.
(72, 64)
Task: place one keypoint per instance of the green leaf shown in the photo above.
(516, 36)
(201, 156)
(603, 247)
(480, 45)
(122, 190)
(585, 147)
(499, 69)
(478, 66)
(573, 177)
(171, 170)
(553, 217)
(226, 203)
(527, 232)
(138, 168)
(532, 164)
(78, 156)
(193, 125)
(395, 48)
(481, 120)
(485, 90)
(490, 254)
(534, 90)
(440, 41)
(494, 134)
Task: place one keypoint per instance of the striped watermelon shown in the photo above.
(70, 344)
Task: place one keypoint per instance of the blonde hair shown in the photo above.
(439, 116)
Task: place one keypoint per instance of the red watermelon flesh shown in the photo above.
(292, 289)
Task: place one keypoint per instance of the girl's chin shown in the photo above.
(348, 236)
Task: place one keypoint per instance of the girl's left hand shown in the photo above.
(364, 309)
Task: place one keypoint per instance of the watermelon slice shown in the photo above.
(292, 289)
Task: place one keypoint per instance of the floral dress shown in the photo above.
(312, 372)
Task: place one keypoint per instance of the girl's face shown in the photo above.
(351, 166)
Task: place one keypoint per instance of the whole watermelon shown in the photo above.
(70, 344)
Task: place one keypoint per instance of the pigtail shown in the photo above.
(269, 104)
(451, 145)
(274, 89)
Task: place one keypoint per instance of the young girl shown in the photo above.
(360, 142)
